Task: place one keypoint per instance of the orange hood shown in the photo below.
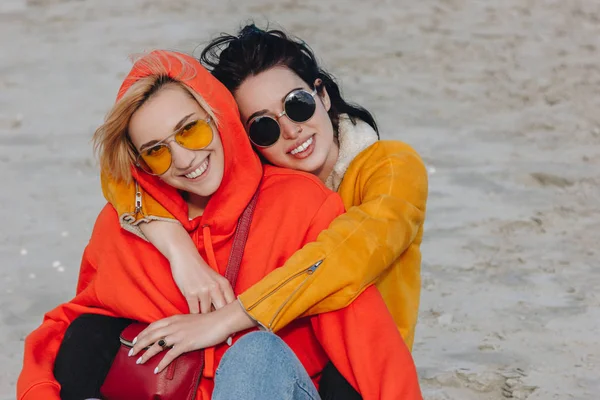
(243, 169)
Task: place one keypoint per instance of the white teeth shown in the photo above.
(302, 147)
(199, 171)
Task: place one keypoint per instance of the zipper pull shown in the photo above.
(138, 202)
(314, 267)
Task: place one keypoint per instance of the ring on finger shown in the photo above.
(163, 343)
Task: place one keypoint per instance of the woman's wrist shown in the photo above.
(237, 318)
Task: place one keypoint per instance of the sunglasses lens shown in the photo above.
(195, 135)
(264, 131)
(300, 106)
(156, 160)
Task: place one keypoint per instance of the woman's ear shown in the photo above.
(322, 92)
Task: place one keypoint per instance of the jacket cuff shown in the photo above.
(44, 390)
(129, 223)
(273, 301)
(261, 326)
(261, 313)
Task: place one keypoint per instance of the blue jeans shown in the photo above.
(261, 366)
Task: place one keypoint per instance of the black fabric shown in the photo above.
(334, 386)
(85, 355)
(91, 343)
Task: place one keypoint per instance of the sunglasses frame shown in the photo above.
(165, 142)
(276, 117)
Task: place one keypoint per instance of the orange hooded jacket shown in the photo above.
(122, 275)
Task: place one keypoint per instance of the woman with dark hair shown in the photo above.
(295, 116)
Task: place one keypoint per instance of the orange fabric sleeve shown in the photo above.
(385, 192)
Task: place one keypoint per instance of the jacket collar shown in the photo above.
(353, 138)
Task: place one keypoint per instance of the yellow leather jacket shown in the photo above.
(377, 240)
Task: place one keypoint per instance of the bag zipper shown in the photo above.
(308, 271)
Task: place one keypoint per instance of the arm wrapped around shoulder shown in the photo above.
(385, 193)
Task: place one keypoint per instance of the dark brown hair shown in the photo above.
(232, 59)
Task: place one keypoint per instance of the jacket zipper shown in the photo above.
(308, 271)
(138, 199)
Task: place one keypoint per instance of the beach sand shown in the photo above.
(500, 98)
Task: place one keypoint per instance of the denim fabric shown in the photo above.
(260, 366)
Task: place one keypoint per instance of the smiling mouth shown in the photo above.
(200, 170)
(302, 147)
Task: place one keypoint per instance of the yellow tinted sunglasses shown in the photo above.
(157, 159)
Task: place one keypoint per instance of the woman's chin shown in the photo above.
(311, 164)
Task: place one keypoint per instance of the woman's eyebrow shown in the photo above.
(256, 114)
(181, 122)
(177, 127)
(261, 112)
(148, 144)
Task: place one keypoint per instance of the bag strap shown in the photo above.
(239, 242)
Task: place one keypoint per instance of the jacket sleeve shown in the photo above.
(36, 380)
(354, 251)
(364, 344)
(134, 206)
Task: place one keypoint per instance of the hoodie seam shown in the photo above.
(35, 385)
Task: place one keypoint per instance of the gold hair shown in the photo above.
(112, 144)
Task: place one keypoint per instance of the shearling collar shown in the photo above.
(353, 140)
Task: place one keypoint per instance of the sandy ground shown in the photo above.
(500, 98)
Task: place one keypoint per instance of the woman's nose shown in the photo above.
(289, 129)
(182, 157)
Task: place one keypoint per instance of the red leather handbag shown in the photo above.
(180, 380)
